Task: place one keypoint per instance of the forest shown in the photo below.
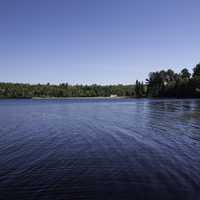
(171, 84)
(16, 90)
(164, 83)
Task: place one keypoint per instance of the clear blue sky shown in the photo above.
(96, 41)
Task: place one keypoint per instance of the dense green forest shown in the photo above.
(171, 84)
(159, 84)
(11, 90)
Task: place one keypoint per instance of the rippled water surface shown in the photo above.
(99, 149)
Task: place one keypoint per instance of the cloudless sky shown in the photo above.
(96, 41)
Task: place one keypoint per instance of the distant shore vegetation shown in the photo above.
(164, 83)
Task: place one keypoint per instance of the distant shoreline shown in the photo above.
(121, 97)
(63, 98)
(88, 98)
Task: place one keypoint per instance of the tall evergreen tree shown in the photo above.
(196, 70)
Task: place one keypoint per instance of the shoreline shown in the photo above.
(90, 98)
(50, 98)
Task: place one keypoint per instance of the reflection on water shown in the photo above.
(99, 149)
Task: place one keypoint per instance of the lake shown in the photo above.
(100, 149)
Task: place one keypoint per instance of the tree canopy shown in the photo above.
(16, 90)
(164, 83)
(170, 84)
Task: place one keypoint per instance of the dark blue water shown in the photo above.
(99, 149)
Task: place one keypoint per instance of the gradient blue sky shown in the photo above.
(96, 41)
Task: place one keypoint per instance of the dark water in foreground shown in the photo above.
(99, 149)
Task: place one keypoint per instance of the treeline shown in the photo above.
(165, 83)
(171, 84)
(12, 90)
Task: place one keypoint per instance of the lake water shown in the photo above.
(99, 149)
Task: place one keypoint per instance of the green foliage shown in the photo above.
(164, 83)
(196, 71)
(139, 89)
(170, 84)
(185, 74)
(12, 90)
